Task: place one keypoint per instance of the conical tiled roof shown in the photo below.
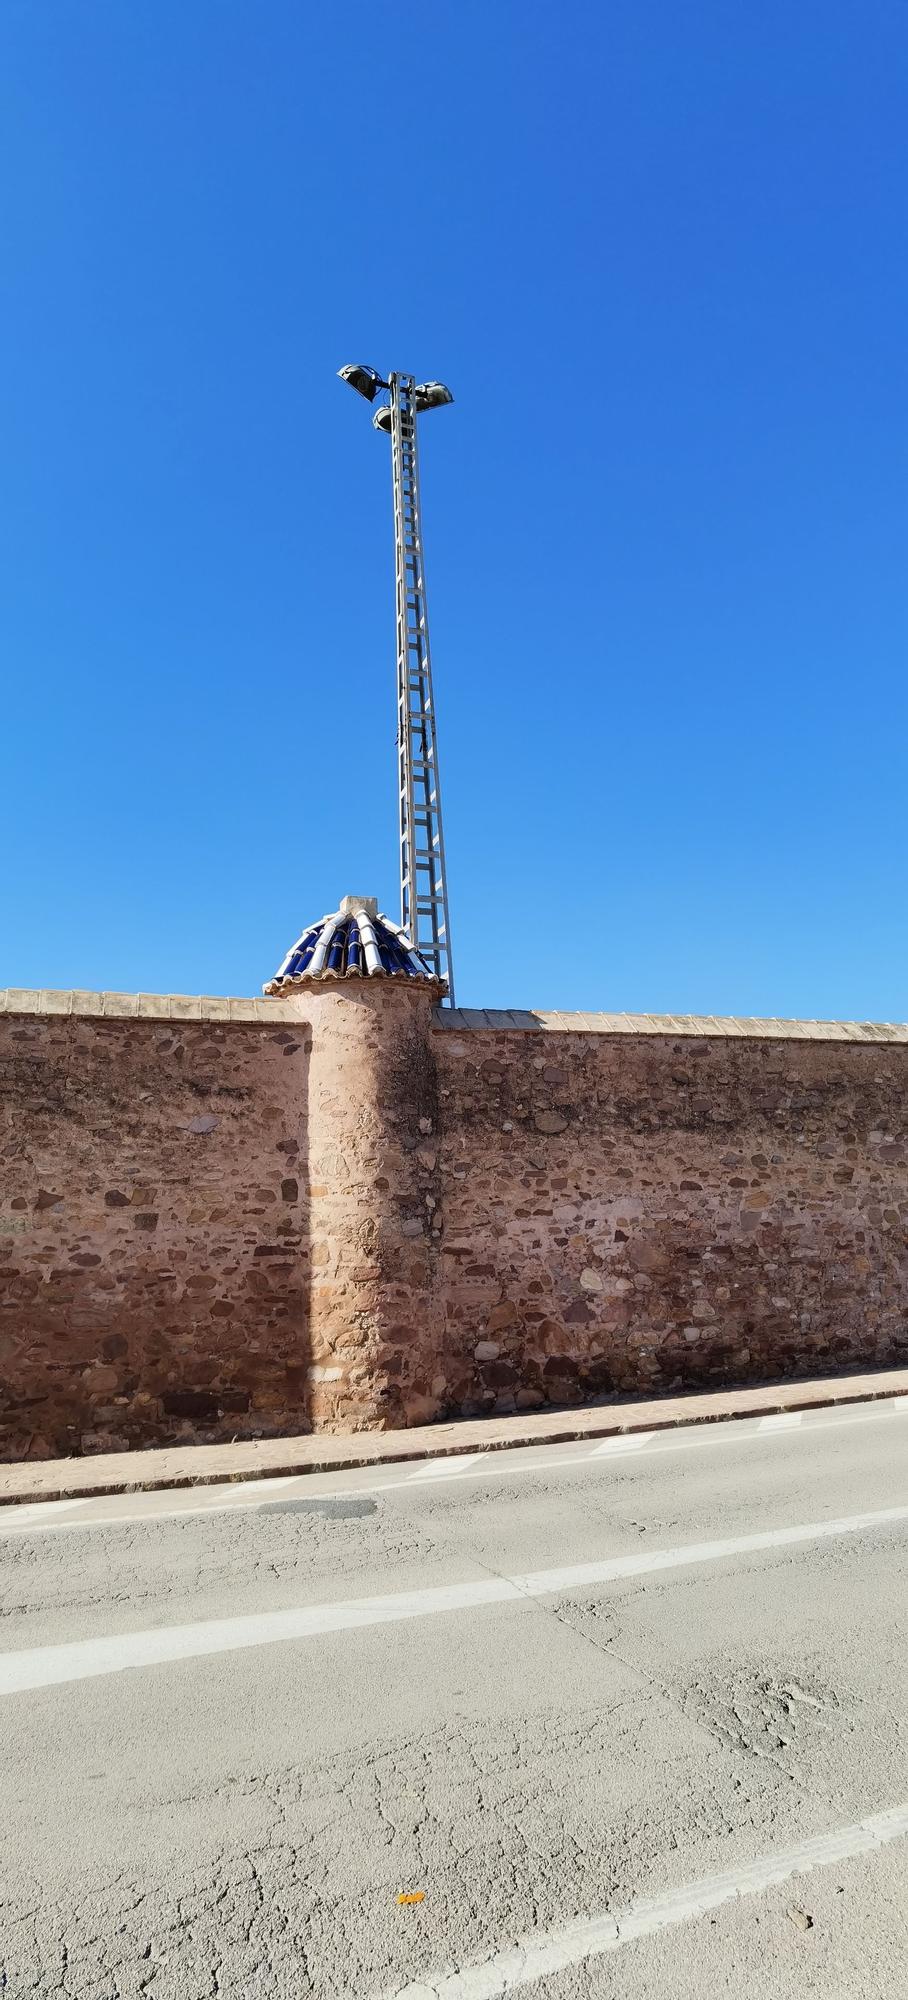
(354, 942)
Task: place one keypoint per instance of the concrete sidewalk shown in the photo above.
(214, 1464)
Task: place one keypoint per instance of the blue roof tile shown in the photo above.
(356, 941)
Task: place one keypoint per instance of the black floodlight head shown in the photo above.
(431, 395)
(366, 381)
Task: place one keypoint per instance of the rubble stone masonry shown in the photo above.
(153, 1230)
(226, 1218)
(654, 1210)
(376, 1306)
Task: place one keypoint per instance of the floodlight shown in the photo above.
(382, 418)
(366, 381)
(431, 395)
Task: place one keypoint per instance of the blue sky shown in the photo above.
(659, 253)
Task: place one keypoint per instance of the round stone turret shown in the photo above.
(370, 1145)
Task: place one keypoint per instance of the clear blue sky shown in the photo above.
(660, 253)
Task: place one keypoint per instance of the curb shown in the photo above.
(89, 1478)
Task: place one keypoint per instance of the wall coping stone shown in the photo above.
(215, 1007)
(146, 1006)
(718, 1027)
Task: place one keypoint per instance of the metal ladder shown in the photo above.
(423, 880)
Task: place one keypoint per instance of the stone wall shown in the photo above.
(229, 1218)
(153, 1226)
(218, 1218)
(642, 1210)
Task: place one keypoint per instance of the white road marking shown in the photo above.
(631, 1441)
(260, 1487)
(85, 1659)
(444, 1468)
(782, 1420)
(540, 1955)
(45, 1512)
(473, 1465)
(9, 1516)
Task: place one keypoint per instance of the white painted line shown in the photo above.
(310, 1490)
(43, 1511)
(44, 1514)
(726, 1431)
(747, 1430)
(444, 1468)
(782, 1420)
(744, 1430)
(85, 1659)
(632, 1441)
(540, 1955)
(261, 1488)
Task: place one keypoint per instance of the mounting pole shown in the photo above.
(423, 879)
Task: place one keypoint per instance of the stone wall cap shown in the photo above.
(77, 1002)
(717, 1027)
(145, 1006)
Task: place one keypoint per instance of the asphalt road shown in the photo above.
(630, 1720)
